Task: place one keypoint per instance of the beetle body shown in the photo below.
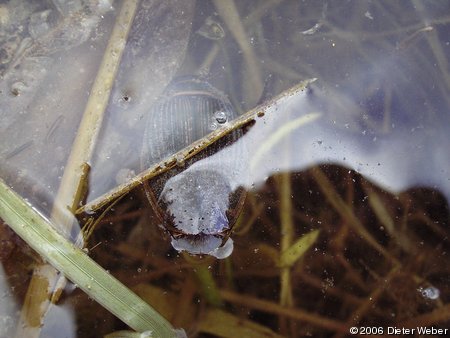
(198, 204)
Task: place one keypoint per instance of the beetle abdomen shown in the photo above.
(189, 110)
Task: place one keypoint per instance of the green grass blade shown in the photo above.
(39, 234)
(298, 249)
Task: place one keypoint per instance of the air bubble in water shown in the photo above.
(221, 117)
(430, 292)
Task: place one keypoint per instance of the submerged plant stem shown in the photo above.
(441, 314)
(270, 307)
(287, 234)
(91, 122)
(66, 198)
(208, 285)
(230, 14)
(347, 214)
(360, 312)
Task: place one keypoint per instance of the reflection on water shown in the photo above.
(362, 155)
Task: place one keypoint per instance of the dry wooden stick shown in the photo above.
(191, 150)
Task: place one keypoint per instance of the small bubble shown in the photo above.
(213, 126)
(430, 292)
(221, 117)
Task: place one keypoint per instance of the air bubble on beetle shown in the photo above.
(221, 117)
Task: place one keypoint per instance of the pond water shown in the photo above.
(360, 159)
